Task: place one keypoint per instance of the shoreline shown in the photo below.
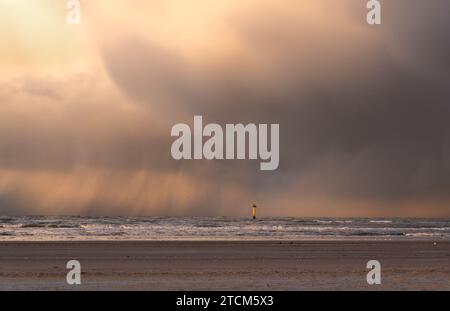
(230, 265)
(254, 241)
(231, 241)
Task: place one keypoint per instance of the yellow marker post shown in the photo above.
(254, 211)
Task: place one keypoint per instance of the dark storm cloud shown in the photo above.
(362, 116)
(10, 204)
(363, 113)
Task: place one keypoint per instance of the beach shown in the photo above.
(225, 265)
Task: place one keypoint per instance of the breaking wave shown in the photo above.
(218, 228)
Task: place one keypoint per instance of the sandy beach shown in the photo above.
(334, 265)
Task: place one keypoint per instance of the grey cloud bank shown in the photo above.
(364, 116)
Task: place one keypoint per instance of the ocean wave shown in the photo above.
(49, 225)
(334, 221)
(381, 221)
(374, 233)
(6, 219)
(105, 234)
(424, 234)
(7, 234)
(215, 228)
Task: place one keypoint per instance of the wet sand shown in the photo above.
(183, 265)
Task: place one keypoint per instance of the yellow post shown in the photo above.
(254, 211)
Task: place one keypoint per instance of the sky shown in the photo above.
(86, 110)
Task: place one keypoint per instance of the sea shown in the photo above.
(58, 228)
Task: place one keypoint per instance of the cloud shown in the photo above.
(363, 114)
(356, 122)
